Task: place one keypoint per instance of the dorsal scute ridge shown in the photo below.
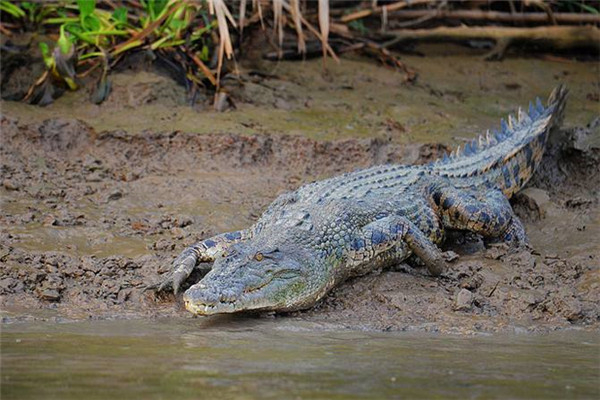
(512, 122)
(504, 127)
(518, 123)
(539, 106)
(507, 129)
(523, 117)
(533, 112)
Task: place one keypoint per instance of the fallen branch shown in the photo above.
(497, 16)
(557, 37)
(379, 10)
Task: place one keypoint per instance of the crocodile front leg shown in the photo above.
(204, 251)
(399, 235)
(488, 214)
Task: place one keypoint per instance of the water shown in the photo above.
(286, 358)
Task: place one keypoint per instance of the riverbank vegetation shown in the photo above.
(197, 43)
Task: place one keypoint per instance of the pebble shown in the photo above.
(464, 300)
(9, 185)
(50, 295)
(49, 220)
(116, 195)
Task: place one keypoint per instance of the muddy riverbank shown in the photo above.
(97, 200)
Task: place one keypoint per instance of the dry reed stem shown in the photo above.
(315, 32)
(242, 15)
(295, 11)
(278, 21)
(324, 25)
(256, 7)
(205, 70)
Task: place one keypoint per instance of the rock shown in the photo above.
(7, 284)
(496, 251)
(473, 282)
(89, 264)
(116, 195)
(464, 300)
(177, 233)
(49, 294)
(162, 245)
(49, 220)
(450, 256)
(123, 295)
(10, 185)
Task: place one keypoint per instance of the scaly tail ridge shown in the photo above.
(509, 156)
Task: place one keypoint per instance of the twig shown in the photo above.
(385, 56)
(387, 8)
(139, 36)
(205, 70)
(544, 7)
(5, 31)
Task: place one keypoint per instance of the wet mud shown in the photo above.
(94, 206)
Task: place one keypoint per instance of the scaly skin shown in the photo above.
(310, 240)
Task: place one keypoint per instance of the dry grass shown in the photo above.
(225, 20)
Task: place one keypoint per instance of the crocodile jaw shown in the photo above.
(272, 296)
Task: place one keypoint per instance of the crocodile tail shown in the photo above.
(507, 157)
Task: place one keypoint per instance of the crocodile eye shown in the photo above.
(258, 256)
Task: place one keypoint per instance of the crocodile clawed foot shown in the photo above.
(176, 277)
(172, 281)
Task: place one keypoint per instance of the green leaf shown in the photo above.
(74, 28)
(120, 15)
(587, 8)
(204, 56)
(86, 7)
(178, 24)
(64, 43)
(15, 11)
(91, 23)
(48, 60)
(156, 7)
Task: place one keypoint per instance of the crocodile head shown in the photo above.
(251, 277)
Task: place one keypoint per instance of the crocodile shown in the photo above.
(312, 239)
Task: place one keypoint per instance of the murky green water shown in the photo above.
(286, 358)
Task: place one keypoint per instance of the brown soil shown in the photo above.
(95, 207)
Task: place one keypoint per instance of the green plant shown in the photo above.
(94, 34)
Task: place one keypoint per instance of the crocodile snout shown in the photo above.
(204, 300)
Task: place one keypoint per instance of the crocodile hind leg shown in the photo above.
(395, 233)
(488, 214)
(203, 251)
